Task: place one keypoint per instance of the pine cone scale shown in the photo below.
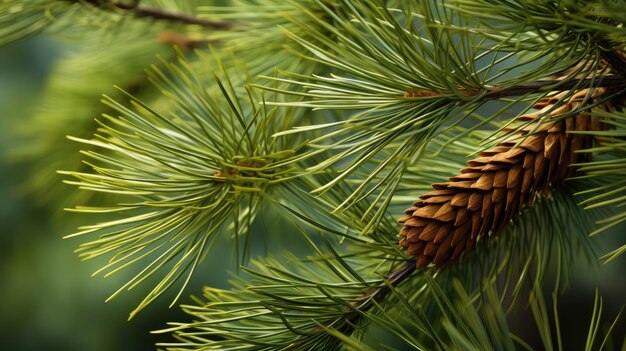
(489, 193)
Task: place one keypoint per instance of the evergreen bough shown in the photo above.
(335, 115)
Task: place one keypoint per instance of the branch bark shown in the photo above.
(366, 301)
(616, 60)
(553, 85)
(377, 294)
(497, 92)
(159, 14)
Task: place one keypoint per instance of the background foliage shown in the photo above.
(48, 301)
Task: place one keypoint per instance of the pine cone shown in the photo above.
(480, 201)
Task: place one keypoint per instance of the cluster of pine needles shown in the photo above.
(498, 127)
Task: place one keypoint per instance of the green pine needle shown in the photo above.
(404, 74)
(186, 177)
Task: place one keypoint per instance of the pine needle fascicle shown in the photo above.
(202, 169)
(198, 161)
(289, 305)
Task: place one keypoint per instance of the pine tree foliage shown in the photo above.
(75, 18)
(72, 100)
(208, 164)
(337, 115)
(607, 165)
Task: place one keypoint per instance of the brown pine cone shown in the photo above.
(480, 201)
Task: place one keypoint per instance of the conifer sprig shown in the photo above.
(21, 19)
(200, 163)
(408, 90)
(297, 303)
(186, 176)
(406, 74)
(136, 9)
(536, 246)
(289, 306)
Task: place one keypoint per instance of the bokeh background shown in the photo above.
(48, 301)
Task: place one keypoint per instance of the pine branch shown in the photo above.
(21, 19)
(283, 307)
(409, 79)
(368, 300)
(615, 81)
(617, 61)
(529, 242)
(200, 168)
(346, 322)
(211, 163)
(305, 305)
(140, 11)
(188, 175)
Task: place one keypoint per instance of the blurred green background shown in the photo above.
(48, 301)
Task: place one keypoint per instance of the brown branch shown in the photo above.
(616, 60)
(397, 277)
(553, 85)
(497, 92)
(378, 294)
(159, 14)
(365, 302)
